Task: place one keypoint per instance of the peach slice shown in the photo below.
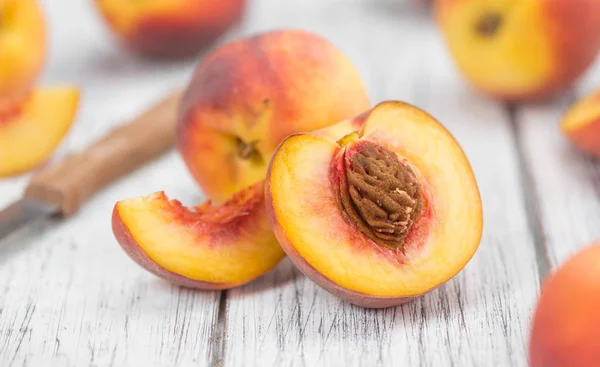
(170, 28)
(581, 124)
(250, 94)
(206, 247)
(521, 50)
(566, 330)
(377, 210)
(31, 130)
(22, 47)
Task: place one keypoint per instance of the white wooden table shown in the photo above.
(69, 296)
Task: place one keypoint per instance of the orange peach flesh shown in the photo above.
(170, 28)
(565, 329)
(207, 247)
(255, 92)
(31, 130)
(22, 47)
(320, 240)
(521, 50)
(581, 124)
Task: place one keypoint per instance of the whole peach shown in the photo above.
(566, 326)
(248, 95)
(170, 28)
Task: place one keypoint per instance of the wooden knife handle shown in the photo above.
(71, 182)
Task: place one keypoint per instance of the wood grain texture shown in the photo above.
(566, 182)
(69, 296)
(481, 317)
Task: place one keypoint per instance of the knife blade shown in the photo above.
(62, 188)
(22, 212)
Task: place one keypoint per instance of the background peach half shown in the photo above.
(207, 247)
(581, 124)
(521, 50)
(170, 28)
(329, 249)
(31, 130)
(22, 47)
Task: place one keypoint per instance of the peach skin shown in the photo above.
(370, 211)
(31, 129)
(22, 48)
(521, 50)
(206, 247)
(581, 124)
(170, 28)
(565, 329)
(243, 99)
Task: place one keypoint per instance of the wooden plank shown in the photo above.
(566, 182)
(68, 295)
(478, 319)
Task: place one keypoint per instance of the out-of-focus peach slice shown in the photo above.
(581, 124)
(22, 47)
(31, 129)
(208, 247)
(377, 214)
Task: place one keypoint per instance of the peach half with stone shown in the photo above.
(377, 210)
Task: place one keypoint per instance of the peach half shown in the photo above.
(581, 124)
(31, 129)
(377, 210)
(250, 94)
(170, 28)
(22, 47)
(566, 330)
(521, 50)
(207, 247)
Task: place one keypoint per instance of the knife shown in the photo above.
(62, 188)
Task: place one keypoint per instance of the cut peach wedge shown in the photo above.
(377, 210)
(207, 247)
(31, 129)
(581, 124)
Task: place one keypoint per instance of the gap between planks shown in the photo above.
(218, 347)
(530, 197)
